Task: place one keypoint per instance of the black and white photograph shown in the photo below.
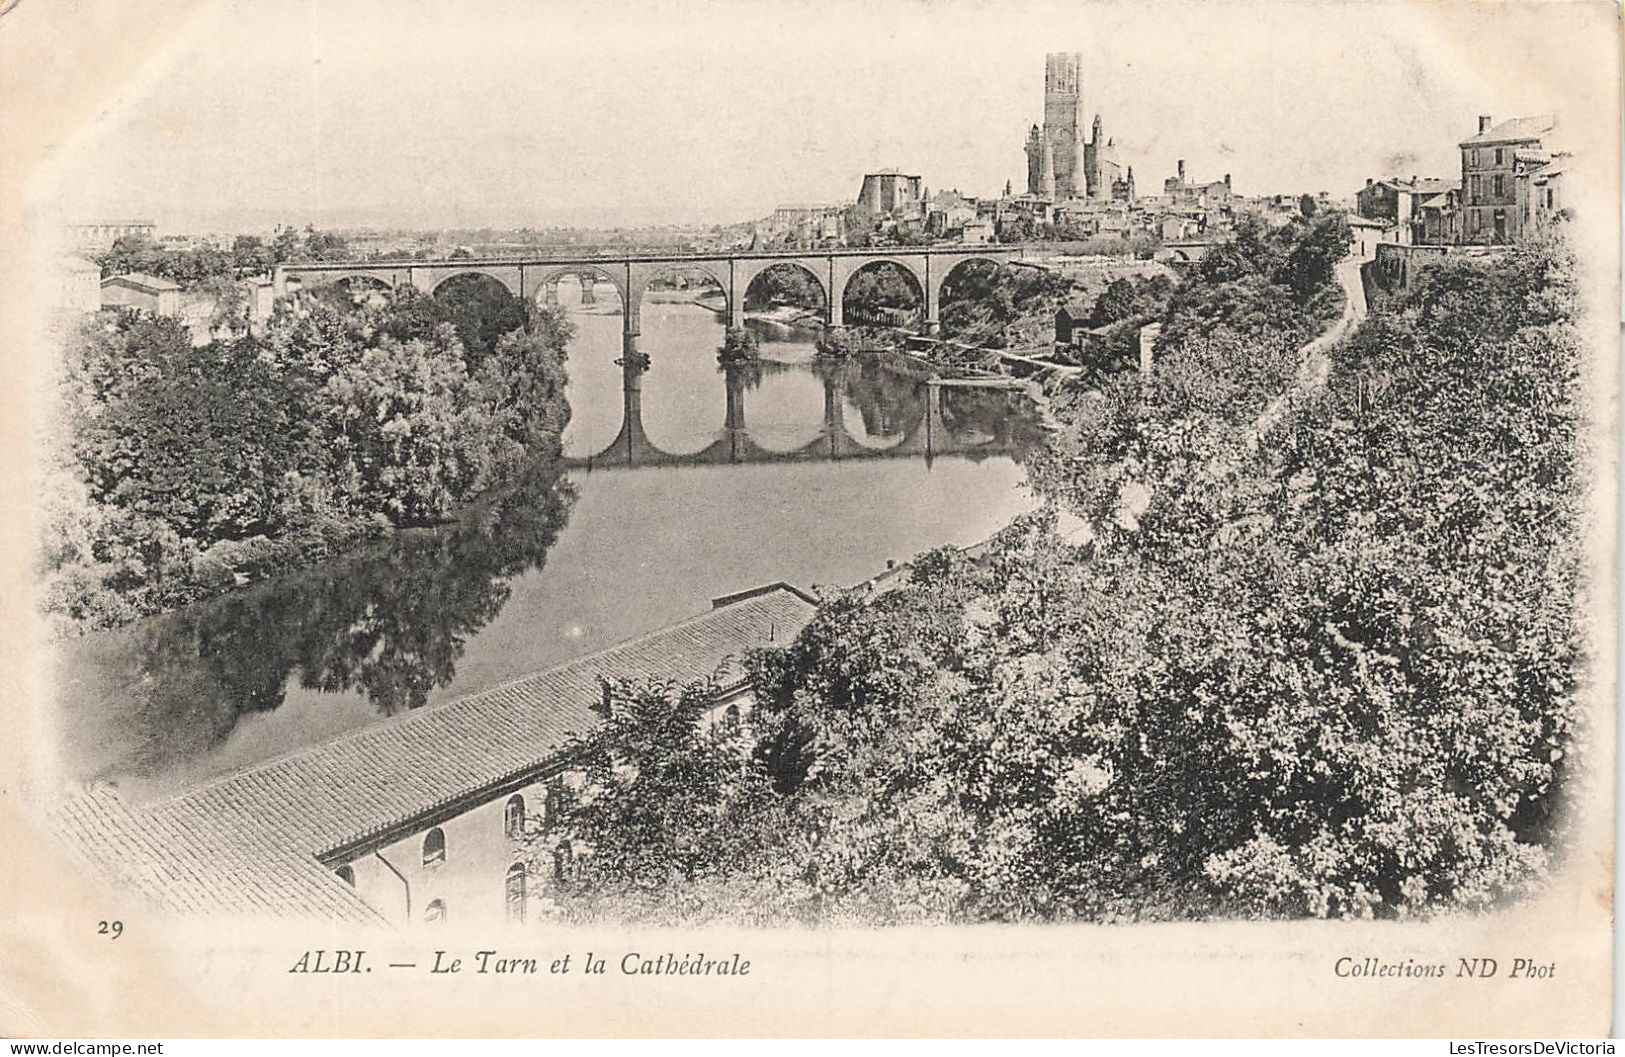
(790, 519)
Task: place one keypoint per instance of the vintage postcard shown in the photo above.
(789, 518)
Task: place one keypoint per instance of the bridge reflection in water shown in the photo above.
(937, 418)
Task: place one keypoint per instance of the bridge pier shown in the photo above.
(589, 288)
(733, 377)
(835, 416)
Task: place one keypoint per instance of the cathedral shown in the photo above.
(1061, 163)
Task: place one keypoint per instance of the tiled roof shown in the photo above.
(248, 841)
(1513, 130)
(186, 864)
(142, 280)
(1437, 201)
(1427, 185)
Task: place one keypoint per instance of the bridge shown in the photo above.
(932, 432)
(631, 275)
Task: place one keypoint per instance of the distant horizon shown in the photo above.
(632, 115)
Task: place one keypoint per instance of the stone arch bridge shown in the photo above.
(631, 275)
(930, 433)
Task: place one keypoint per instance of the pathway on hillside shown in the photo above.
(1316, 364)
(1313, 369)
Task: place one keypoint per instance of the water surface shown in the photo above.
(789, 471)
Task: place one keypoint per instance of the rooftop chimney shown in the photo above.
(1182, 170)
(1227, 179)
(1368, 181)
(1483, 122)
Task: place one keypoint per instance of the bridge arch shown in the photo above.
(959, 270)
(645, 282)
(356, 287)
(443, 276)
(753, 285)
(948, 272)
(539, 280)
(924, 296)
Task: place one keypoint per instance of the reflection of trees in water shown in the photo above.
(389, 621)
(889, 403)
(750, 375)
(1005, 417)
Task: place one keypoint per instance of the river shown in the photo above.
(792, 471)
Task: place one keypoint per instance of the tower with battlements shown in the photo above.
(1063, 162)
(1063, 121)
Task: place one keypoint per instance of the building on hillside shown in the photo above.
(1365, 234)
(1205, 196)
(261, 301)
(1086, 217)
(148, 293)
(1494, 163)
(1175, 226)
(892, 193)
(978, 232)
(1544, 200)
(1399, 202)
(1438, 219)
(1063, 162)
(947, 212)
(1072, 323)
(1123, 189)
(429, 817)
(79, 285)
(804, 226)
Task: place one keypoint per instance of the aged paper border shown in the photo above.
(62, 65)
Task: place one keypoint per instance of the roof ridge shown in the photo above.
(428, 711)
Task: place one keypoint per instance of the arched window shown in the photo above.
(553, 802)
(346, 874)
(514, 887)
(434, 847)
(513, 818)
(435, 911)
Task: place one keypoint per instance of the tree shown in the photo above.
(250, 256)
(877, 291)
(672, 804)
(858, 222)
(230, 316)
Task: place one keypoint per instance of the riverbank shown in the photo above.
(212, 467)
(523, 579)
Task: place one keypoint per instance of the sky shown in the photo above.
(428, 114)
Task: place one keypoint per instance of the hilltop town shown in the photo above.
(1080, 211)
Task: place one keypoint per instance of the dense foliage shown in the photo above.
(784, 284)
(981, 301)
(184, 469)
(881, 293)
(1264, 280)
(192, 266)
(1330, 671)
